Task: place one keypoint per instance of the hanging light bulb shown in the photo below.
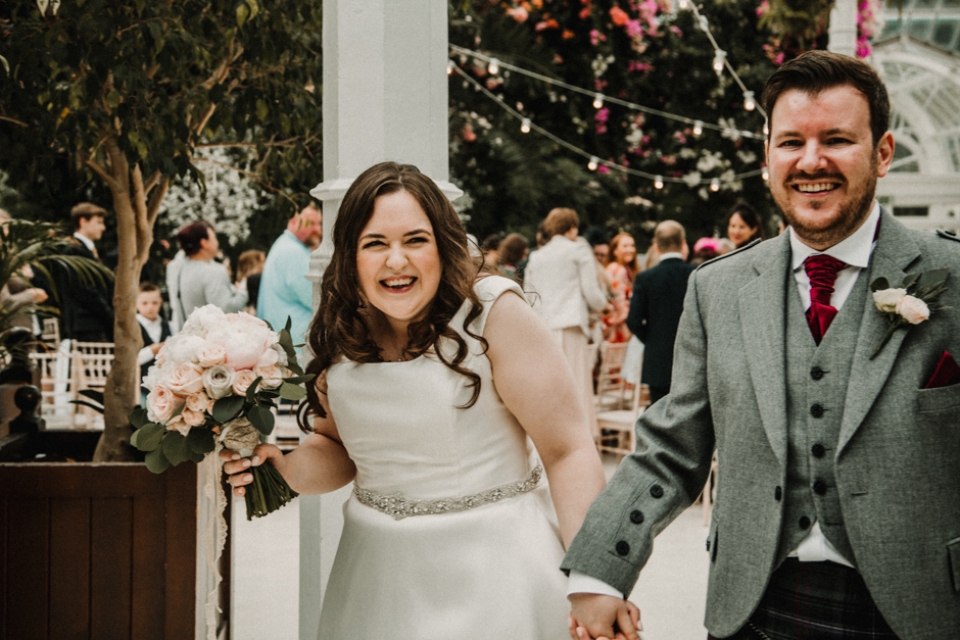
(449, 67)
(697, 128)
(765, 174)
(598, 101)
(748, 101)
(525, 125)
(658, 182)
(718, 59)
(715, 185)
(683, 4)
(494, 66)
(594, 161)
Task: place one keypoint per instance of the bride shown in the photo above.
(446, 400)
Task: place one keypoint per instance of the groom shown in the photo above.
(838, 508)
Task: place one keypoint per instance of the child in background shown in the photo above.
(154, 328)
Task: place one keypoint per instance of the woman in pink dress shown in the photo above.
(623, 269)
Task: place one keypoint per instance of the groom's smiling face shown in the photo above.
(823, 163)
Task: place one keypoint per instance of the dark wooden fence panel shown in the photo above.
(93, 551)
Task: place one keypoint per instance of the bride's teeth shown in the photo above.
(398, 283)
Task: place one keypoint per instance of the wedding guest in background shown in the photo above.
(623, 269)
(491, 253)
(563, 274)
(249, 268)
(513, 251)
(744, 225)
(448, 394)
(86, 308)
(705, 249)
(202, 280)
(154, 328)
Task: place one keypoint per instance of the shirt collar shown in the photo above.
(854, 250)
(147, 321)
(87, 242)
(672, 254)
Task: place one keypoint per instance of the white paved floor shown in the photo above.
(670, 593)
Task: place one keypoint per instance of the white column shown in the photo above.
(384, 98)
(843, 27)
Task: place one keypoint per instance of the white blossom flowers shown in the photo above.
(911, 303)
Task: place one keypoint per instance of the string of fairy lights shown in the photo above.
(720, 63)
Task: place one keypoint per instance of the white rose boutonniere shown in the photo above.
(911, 303)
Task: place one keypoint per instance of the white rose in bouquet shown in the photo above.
(272, 376)
(184, 379)
(243, 381)
(199, 402)
(211, 355)
(218, 381)
(182, 348)
(243, 349)
(162, 403)
(193, 418)
(203, 320)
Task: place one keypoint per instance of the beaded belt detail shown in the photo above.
(398, 507)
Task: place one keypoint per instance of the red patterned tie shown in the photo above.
(822, 271)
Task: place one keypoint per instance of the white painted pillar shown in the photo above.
(384, 98)
(843, 27)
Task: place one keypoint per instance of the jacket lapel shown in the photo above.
(894, 253)
(763, 324)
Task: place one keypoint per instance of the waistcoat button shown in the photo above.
(804, 524)
(623, 548)
(817, 410)
(819, 487)
(817, 373)
(818, 450)
(636, 517)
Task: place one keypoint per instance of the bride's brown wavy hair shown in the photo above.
(338, 329)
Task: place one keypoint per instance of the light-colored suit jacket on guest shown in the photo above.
(897, 462)
(563, 274)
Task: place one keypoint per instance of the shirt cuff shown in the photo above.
(582, 583)
(145, 356)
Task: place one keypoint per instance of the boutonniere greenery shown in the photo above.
(909, 304)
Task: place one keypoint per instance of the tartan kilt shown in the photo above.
(815, 601)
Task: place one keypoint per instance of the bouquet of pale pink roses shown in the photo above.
(216, 382)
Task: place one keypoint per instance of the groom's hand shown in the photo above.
(603, 617)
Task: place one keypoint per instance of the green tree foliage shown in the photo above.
(128, 92)
(643, 52)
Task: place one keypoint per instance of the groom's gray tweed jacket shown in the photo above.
(893, 465)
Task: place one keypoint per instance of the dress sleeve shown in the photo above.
(488, 289)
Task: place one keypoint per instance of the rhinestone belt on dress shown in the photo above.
(398, 507)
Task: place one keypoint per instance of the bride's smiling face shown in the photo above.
(398, 264)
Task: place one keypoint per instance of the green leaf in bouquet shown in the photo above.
(156, 461)
(147, 437)
(202, 441)
(196, 457)
(301, 379)
(226, 409)
(266, 395)
(138, 417)
(175, 448)
(252, 389)
(294, 366)
(927, 279)
(292, 392)
(261, 418)
(909, 281)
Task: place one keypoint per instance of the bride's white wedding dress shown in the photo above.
(450, 532)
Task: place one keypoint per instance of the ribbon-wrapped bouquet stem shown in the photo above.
(215, 384)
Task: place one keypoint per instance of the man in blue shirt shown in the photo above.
(284, 288)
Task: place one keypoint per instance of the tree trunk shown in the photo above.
(123, 384)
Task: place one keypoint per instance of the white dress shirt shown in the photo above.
(154, 329)
(855, 251)
(87, 242)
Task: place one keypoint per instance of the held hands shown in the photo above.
(236, 466)
(601, 617)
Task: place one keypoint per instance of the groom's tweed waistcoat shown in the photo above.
(816, 388)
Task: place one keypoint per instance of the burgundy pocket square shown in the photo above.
(945, 374)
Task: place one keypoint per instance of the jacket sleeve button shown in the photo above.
(778, 494)
(636, 517)
(656, 491)
(623, 548)
(804, 522)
